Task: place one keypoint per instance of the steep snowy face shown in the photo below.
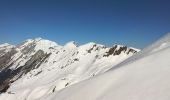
(34, 45)
(4, 48)
(6, 51)
(18, 61)
(42, 66)
(144, 77)
(30, 49)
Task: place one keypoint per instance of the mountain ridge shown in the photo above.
(55, 67)
(143, 76)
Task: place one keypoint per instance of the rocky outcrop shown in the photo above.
(7, 76)
(36, 60)
(115, 50)
(6, 58)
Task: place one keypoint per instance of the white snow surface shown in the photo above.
(67, 65)
(144, 76)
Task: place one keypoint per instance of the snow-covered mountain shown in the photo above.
(37, 67)
(144, 76)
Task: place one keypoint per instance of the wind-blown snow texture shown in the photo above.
(144, 76)
(38, 68)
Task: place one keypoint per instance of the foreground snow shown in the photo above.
(144, 76)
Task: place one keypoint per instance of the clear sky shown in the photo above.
(134, 23)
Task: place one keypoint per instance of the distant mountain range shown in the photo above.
(39, 67)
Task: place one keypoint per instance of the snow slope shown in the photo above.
(37, 68)
(144, 76)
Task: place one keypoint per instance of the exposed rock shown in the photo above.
(28, 49)
(111, 51)
(117, 51)
(35, 61)
(89, 51)
(7, 75)
(5, 59)
(131, 50)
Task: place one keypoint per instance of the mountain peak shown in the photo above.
(71, 44)
(38, 39)
(5, 44)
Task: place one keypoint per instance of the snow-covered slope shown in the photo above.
(39, 67)
(144, 76)
(4, 48)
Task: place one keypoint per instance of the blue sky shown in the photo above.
(134, 23)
